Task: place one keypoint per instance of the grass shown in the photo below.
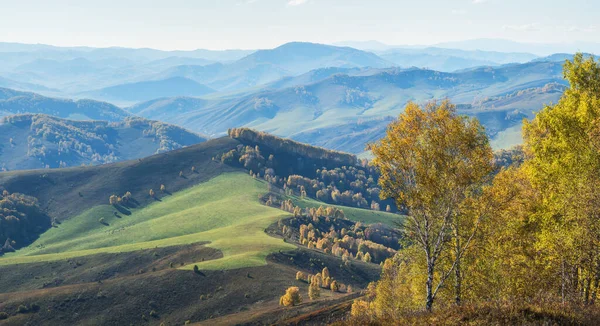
(354, 214)
(224, 210)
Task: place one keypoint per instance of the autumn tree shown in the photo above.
(562, 147)
(291, 297)
(163, 188)
(151, 193)
(314, 291)
(335, 286)
(430, 161)
(113, 200)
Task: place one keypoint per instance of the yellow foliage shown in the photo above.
(291, 297)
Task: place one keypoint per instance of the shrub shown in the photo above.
(22, 309)
(291, 297)
(151, 193)
(153, 314)
(181, 174)
(193, 169)
(196, 270)
(325, 273)
(163, 188)
(101, 220)
(3, 315)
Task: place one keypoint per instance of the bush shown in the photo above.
(22, 309)
(153, 314)
(291, 297)
(3, 315)
(163, 188)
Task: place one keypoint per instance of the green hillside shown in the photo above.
(224, 211)
(352, 213)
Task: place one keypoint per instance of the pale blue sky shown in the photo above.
(250, 24)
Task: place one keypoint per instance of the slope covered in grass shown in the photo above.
(354, 214)
(225, 211)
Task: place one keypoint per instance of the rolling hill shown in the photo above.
(35, 141)
(148, 90)
(206, 246)
(360, 100)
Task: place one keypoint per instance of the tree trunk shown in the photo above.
(429, 285)
(457, 271)
(457, 283)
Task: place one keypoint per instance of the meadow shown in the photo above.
(224, 211)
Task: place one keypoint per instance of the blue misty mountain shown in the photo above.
(17, 102)
(451, 59)
(358, 100)
(265, 66)
(298, 57)
(147, 90)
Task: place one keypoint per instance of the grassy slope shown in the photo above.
(354, 214)
(224, 210)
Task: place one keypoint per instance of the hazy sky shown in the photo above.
(250, 24)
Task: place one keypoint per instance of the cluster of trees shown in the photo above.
(21, 220)
(116, 200)
(321, 280)
(529, 234)
(288, 145)
(354, 185)
(326, 229)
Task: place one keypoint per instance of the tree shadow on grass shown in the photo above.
(122, 209)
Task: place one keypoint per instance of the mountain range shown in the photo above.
(298, 90)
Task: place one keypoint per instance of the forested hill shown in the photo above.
(34, 141)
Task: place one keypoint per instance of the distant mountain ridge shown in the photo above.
(147, 90)
(361, 99)
(16, 102)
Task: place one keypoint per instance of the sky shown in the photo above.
(253, 24)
